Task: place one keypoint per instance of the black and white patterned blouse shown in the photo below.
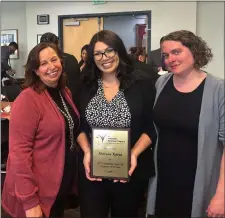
(113, 114)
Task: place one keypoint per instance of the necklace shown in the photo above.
(69, 119)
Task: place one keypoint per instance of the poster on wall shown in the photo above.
(8, 36)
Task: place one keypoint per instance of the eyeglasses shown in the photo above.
(109, 53)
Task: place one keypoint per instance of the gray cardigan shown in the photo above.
(211, 138)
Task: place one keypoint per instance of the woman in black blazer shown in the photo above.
(114, 95)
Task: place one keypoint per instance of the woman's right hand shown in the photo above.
(34, 212)
(87, 162)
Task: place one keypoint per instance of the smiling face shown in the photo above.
(178, 58)
(109, 61)
(50, 68)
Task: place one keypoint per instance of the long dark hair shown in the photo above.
(85, 47)
(125, 73)
(33, 63)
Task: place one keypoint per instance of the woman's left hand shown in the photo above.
(216, 207)
(133, 163)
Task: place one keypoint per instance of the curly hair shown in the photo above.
(201, 52)
(33, 63)
(125, 71)
(50, 38)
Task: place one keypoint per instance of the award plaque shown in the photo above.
(110, 153)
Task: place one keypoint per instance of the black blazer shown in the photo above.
(73, 74)
(140, 98)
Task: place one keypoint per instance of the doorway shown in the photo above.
(125, 26)
(77, 30)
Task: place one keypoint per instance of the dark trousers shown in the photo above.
(57, 209)
(98, 199)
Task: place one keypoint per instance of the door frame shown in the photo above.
(132, 13)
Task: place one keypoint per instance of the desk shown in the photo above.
(5, 104)
(5, 115)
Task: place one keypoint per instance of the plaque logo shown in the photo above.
(102, 137)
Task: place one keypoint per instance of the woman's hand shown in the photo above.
(87, 162)
(34, 212)
(216, 207)
(133, 165)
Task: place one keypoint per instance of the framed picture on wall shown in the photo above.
(43, 19)
(38, 38)
(7, 36)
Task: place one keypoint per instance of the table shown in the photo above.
(4, 104)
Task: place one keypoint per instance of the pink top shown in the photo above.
(36, 153)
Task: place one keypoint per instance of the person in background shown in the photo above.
(110, 95)
(44, 123)
(189, 115)
(138, 61)
(70, 65)
(6, 51)
(84, 57)
(139, 54)
(132, 50)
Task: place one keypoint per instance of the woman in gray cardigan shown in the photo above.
(189, 118)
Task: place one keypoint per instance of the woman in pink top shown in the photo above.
(41, 167)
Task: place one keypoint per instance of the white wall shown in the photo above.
(13, 16)
(166, 16)
(210, 26)
(124, 27)
(204, 18)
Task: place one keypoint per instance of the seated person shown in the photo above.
(138, 61)
(139, 53)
